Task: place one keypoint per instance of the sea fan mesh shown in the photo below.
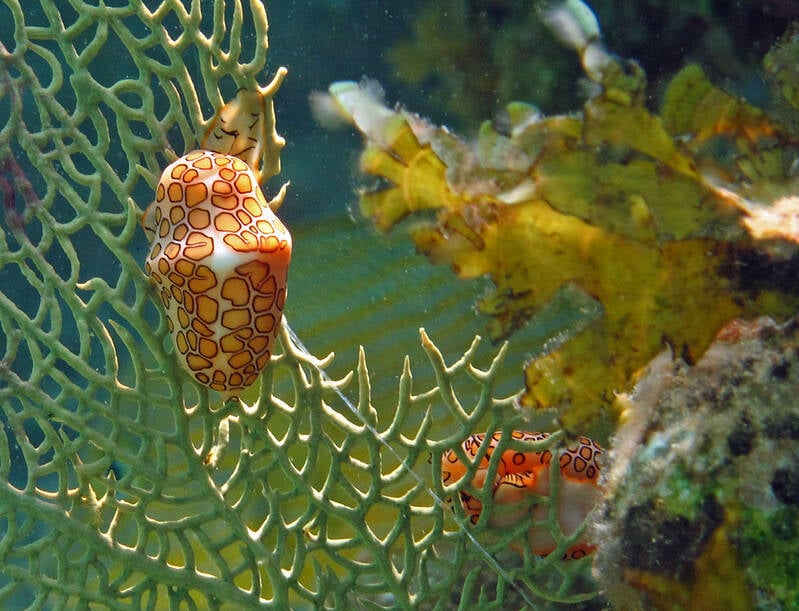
(123, 485)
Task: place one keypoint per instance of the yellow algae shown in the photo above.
(629, 206)
(715, 581)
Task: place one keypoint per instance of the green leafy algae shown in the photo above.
(766, 546)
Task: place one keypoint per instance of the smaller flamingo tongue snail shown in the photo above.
(521, 475)
(219, 255)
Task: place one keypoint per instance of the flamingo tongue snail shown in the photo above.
(219, 255)
(521, 474)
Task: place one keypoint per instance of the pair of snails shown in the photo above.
(219, 260)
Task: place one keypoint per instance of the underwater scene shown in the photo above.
(358, 304)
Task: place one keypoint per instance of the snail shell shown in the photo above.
(524, 476)
(219, 260)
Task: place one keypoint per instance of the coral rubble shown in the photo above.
(702, 500)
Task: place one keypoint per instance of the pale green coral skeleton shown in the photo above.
(123, 484)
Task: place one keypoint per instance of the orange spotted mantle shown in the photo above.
(219, 260)
(522, 474)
